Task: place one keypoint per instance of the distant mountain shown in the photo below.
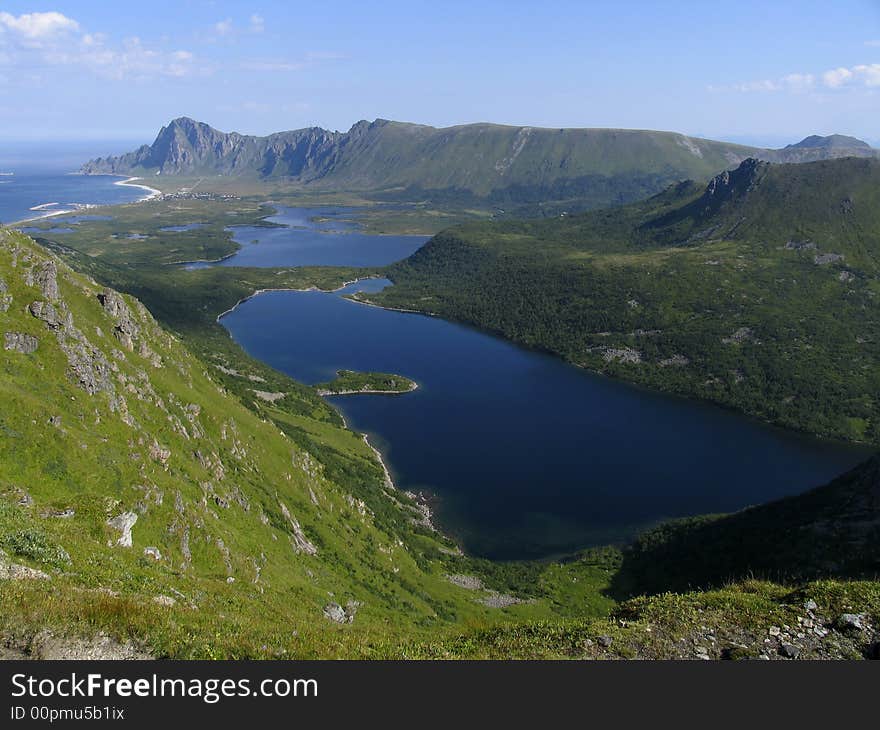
(468, 164)
(815, 147)
(491, 162)
(832, 141)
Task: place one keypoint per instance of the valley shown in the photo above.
(703, 291)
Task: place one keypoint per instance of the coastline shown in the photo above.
(52, 213)
(151, 192)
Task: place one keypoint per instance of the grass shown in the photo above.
(539, 282)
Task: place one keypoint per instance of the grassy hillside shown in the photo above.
(832, 531)
(469, 165)
(152, 502)
(758, 291)
(262, 528)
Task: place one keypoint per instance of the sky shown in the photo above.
(764, 72)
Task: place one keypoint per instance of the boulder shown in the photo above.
(123, 523)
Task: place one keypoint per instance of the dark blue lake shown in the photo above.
(314, 237)
(528, 456)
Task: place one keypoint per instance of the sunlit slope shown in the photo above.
(758, 291)
(134, 483)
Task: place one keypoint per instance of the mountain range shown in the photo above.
(476, 162)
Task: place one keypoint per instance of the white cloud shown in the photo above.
(798, 82)
(312, 58)
(836, 77)
(258, 23)
(869, 74)
(224, 27)
(37, 40)
(38, 26)
(765, 85)
(863, 75)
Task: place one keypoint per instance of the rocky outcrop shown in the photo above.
(46, 279)
(336, 613)
(827, 258)
(123, 523)
(622, 354)
(5, 296)
(301, 543)
(187, 146)
(14, 571)
(49, 646)
(18, 342)
(126, 329)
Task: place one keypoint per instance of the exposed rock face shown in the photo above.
(5, 297)
(468, 582)
(743, 334)
(730, 185)
(338, 614)
(186, 145)
(800, 246)
(89, 367)
(300, 542)
(123, 523)
(18, 342)
(622, 354)
(676, 361)
(126, 329)
(47, 279)
(47, 646)
(335, 612)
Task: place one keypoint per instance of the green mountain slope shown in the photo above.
(475, 162)
(758, 291)
(832, 531)
(153, 504)
(138, 495)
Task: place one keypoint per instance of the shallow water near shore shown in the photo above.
(53, 192)
(528, 456)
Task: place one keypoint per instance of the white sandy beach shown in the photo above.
(131, 182)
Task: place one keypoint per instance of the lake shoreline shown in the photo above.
(372, 391)
(257, 293)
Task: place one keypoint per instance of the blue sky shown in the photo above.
(763, 72)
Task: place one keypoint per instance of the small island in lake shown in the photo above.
(351, 382)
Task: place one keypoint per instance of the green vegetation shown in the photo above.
(257, 511)
(350, 382)
(759, 292)
(474, 165)
(251, 516)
